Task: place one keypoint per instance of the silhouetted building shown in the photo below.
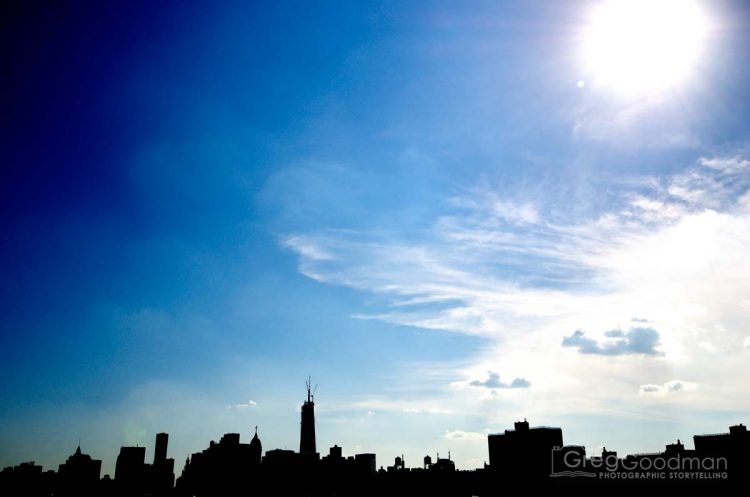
(280, 458)
(524, 453)
(569, 458)
(134, 477)
(28, 469)
(79, 474)
(733, 448)
(675, 448)
(335, 453)
(365, 463)
(307, 428)
(443, 465)
(723, 443)
(130, 469)
(160, 449)
(26, 479)
(256, 448)
(221, 467)
(161, 473)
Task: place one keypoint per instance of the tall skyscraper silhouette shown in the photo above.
(160, 453)
(162, 471)
(307, 432)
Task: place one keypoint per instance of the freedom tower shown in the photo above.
(307, 432)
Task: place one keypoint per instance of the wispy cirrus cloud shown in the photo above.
(309, 251)
(670, 249)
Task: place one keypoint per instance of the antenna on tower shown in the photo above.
(307, 384)
(314, 390)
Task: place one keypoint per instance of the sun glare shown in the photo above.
(643, 46)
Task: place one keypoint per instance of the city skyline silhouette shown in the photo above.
(529, 456)
(454, 216)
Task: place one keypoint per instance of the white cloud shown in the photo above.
(493, 382)
(617, 342)
(471, 436)
(651, 210)
(245, 405)
(309, 251)
(732, 164)
(690, 195)
(746, 343)
(673, 386)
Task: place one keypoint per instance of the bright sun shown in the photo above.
(643, 46)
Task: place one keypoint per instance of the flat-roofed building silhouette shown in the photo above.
(524, 452)
(130, 469)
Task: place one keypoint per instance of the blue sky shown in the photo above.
(438, 210)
